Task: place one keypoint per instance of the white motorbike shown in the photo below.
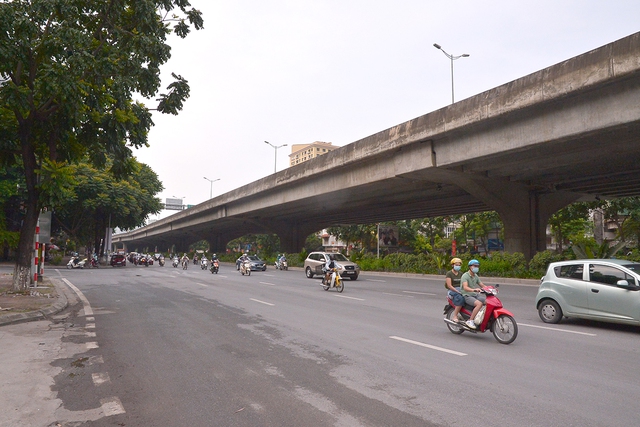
(245, 268)
(204, 263)
(176, 261)
(76, 262)
(281, 264)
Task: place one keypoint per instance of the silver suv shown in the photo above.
(316, 260)
(607, 290)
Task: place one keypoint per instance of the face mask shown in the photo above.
(457, 267)
(475, 270)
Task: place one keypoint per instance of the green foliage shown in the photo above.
(505, 264)
(591, 250)
(540, 261)
(56, 259)
(421, 245)
(201, 245)
(633, 255)
(69, 71)
(98, 198)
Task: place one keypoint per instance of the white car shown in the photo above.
(607, 290)
(316, 260)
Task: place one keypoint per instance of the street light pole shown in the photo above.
(452, 58)
(211, 181)
(276, 156)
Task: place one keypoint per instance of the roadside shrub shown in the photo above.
(540, 261)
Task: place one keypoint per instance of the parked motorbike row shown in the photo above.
(76, 262)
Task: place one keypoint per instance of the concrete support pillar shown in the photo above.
(292, 235)
(524, 212)
(218, 242)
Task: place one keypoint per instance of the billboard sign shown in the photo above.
(45, 227)
(388, 235)
(173, 204)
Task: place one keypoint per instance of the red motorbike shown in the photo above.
(496, 319)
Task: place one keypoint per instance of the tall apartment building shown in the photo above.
(303, 152)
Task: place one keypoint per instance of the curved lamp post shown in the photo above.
(211, 181)
(276, 157)
(452, 58)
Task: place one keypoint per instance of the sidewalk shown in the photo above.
(42, 301)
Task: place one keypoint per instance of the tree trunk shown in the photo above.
(22, 272)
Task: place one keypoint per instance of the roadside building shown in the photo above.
(302, 152)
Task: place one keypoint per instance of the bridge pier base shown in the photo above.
(524, 212)
(292, 236)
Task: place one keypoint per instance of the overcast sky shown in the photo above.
(299, 71)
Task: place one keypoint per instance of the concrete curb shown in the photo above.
(54, 308)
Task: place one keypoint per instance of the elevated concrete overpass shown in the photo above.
(525, 149)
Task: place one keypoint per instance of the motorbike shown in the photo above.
(497, 319)
(245, 268)
(75, 262)
(195, 260)
(94, 263)
(161, 262)
(185, 264)
(215, 266)
(334, 281)
(203, 264)
(281, 264)
(176, 261)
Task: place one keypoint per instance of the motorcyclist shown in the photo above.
(452, 283)
(214, 257)
(328, 267)
(184, 258)
(244, 257)
(471, 286)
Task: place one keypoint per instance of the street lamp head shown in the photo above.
(437, 46)
(465, 55)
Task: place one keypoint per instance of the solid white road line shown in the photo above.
(201, 284)
(267, 283)
(88, 311)
(432, 347)
(374, 280)
(261, 302)
(558, 330)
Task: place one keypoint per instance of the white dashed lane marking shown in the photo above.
(100, 378)
(432, 347)
(261, 302)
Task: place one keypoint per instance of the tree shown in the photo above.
(99, 199)
(9, 211)
(68, 72)
(625, 213)
(570, 221)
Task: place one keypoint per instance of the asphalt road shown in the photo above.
(167, 347)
